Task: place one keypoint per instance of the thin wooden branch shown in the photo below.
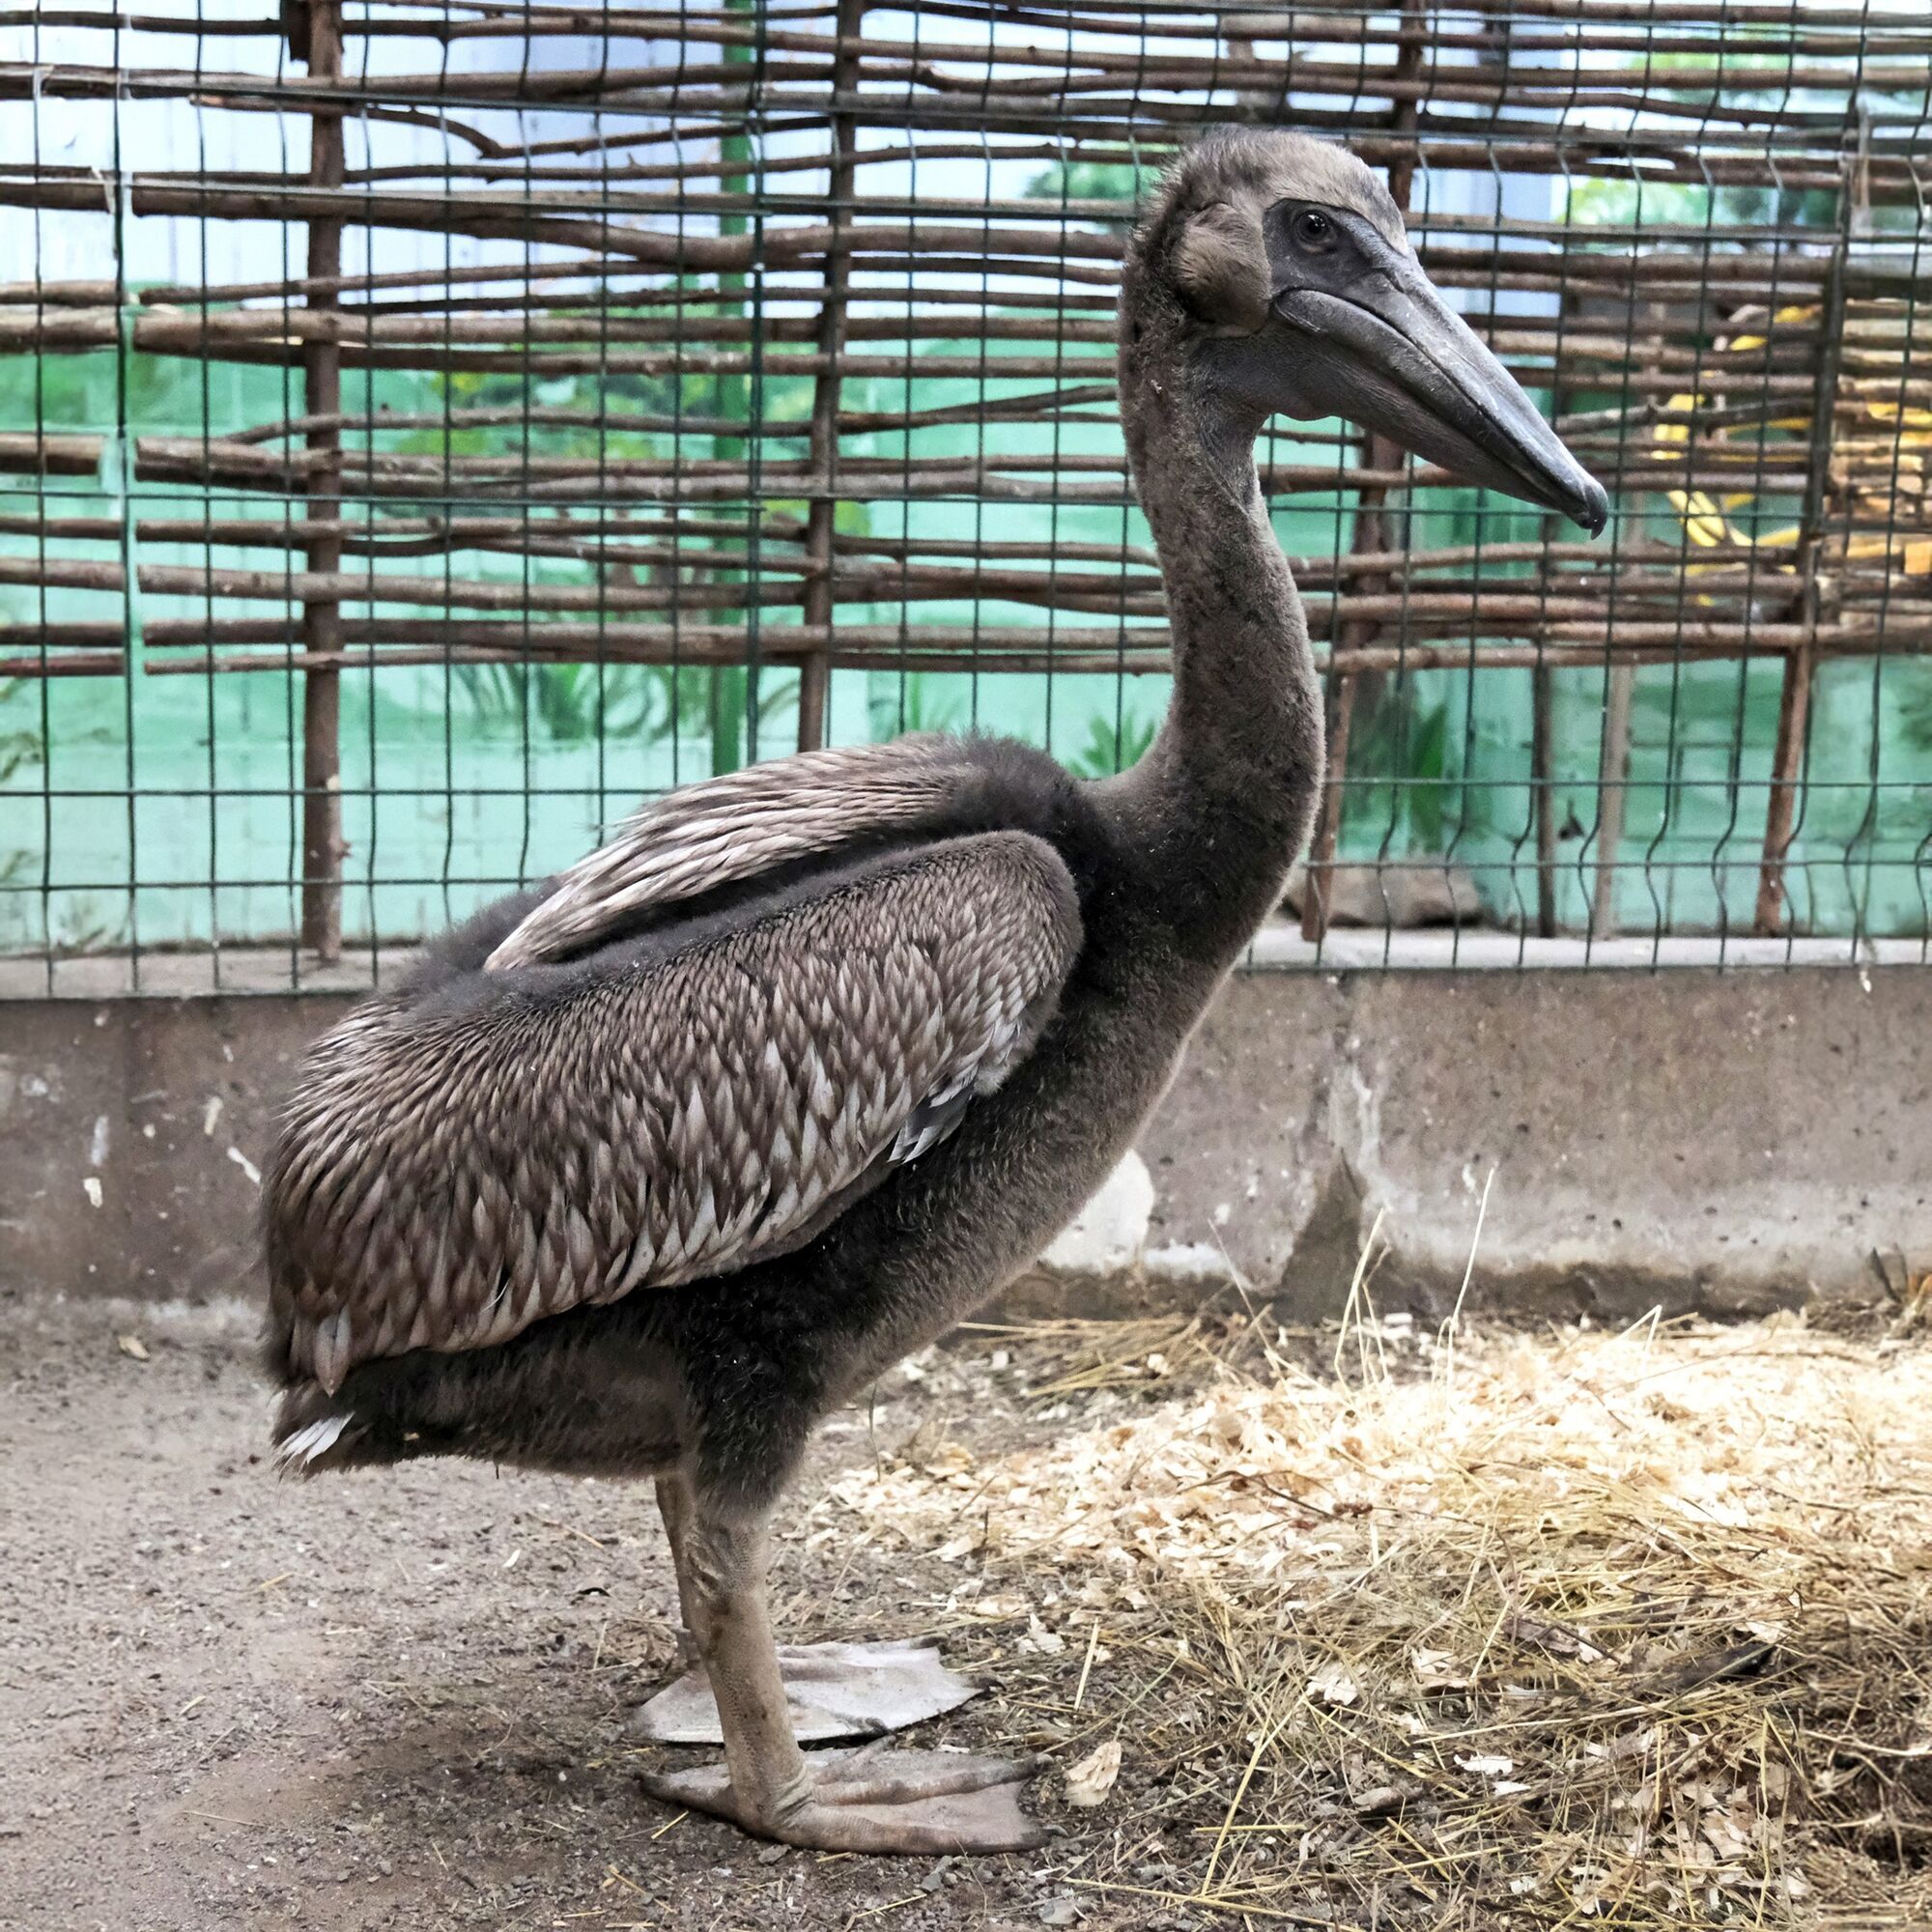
(1794, 706)
(323, 847)
(828, 390)
(77, 664)
(795, 61)
(1371, 534)
(907, 647)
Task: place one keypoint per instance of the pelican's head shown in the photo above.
(1287, 261)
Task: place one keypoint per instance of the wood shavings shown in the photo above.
(1088, 1782)
(1436, 1670)
(1612, 1627)
(1040, 1640)
(998, 1608)
(1335, 1683)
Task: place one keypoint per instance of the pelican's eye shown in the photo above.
(1313, 231)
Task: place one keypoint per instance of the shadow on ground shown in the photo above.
(392, 1700)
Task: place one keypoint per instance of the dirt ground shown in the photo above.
(1424, 1632)
(397, 1699)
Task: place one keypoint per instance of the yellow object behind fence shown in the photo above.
(1879, 480)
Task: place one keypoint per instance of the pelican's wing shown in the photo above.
(723, 830)
(449, 1176)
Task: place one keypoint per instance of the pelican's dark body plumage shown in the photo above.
(643, 1172)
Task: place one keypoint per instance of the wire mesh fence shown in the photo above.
(425, 429)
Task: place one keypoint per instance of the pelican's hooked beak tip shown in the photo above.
(1593, 509)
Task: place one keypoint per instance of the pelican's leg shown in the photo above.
(865, 1801)
(831, 1689)
(722, 1581)
(675, 1507)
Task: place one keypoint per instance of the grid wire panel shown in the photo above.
(428, 427)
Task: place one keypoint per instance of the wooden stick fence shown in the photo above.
(719, 229)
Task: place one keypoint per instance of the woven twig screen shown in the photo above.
(425, 429)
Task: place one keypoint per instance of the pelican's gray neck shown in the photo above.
(1229, 786)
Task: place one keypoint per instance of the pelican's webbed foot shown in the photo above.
(877, 1800)
(836, 1801)
(832, 1691)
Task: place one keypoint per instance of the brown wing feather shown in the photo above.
(443, 1182)
(732, 828)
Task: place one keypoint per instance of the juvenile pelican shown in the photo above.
(642, 1172)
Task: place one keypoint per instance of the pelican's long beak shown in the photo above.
(1400, 360)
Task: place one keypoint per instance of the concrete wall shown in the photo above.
(1720, 1142)
(130, 1138)
(1714, 1142)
